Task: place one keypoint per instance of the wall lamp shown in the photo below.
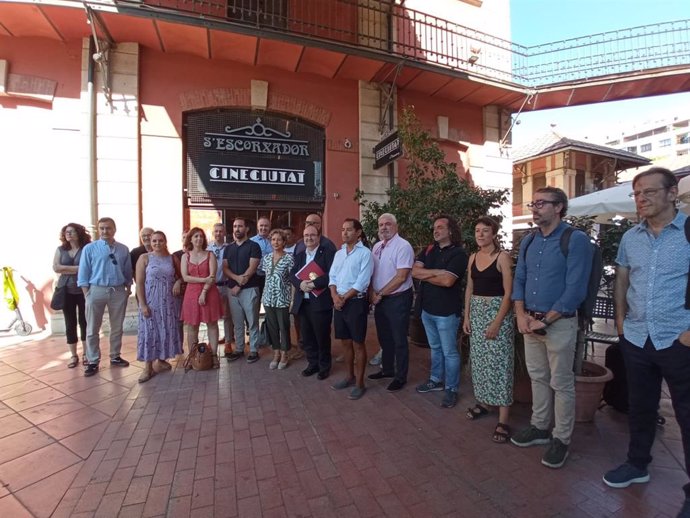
(474, 55)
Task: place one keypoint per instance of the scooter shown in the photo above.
(18, 324)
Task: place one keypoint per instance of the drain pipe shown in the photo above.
(91, 134)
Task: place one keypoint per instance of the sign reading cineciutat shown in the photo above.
(237, 154)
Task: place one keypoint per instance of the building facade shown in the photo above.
(172, 114)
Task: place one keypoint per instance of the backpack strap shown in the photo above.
(687, 289)
(529, 236)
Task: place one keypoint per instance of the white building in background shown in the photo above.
(665, 141)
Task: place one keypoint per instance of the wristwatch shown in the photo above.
(545, 322)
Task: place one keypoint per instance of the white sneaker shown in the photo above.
(376, 360)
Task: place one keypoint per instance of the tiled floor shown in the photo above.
(246, 441)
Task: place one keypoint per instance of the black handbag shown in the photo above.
(58, 301)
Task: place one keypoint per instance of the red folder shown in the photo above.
(310, 272)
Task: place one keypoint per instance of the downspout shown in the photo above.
(91, 134)
(391, 166)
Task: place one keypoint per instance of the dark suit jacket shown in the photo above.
(324, 258)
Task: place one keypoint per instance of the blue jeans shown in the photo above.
(442, 333)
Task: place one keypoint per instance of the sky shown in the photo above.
(541, 21)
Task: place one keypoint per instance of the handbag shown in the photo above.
(58, 300)
(200, 358)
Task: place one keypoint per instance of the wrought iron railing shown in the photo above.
(383, 26)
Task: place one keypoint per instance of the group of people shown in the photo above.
(324, 286)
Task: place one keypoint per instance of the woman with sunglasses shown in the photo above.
(66, 262)
(201, 297)
(159, 282)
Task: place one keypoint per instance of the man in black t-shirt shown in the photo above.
(240, 261)
(440, 267)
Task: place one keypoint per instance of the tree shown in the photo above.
(433, 187)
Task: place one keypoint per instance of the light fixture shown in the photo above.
(474, 55)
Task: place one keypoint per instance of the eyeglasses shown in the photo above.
(647, 193)
(112, 258)
(539, 204)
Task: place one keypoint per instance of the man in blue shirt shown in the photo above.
(263, 229)
(105, 277)
(651, 279)
(547, 290)
(349, 281)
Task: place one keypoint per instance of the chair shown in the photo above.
(603, 308)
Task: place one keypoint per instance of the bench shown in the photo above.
(603, 308)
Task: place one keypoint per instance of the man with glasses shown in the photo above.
(547, 290)
(313, 220)
(653, 324)
(105, 277)
(390, 292)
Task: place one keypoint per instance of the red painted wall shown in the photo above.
(164, 78)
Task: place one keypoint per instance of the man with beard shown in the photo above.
(240, 261)
(547, 290)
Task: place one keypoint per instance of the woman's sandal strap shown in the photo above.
(476, 412)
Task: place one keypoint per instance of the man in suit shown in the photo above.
(315, 311)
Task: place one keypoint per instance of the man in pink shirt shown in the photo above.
(390, 292)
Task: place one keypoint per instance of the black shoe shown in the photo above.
(91, 370)
(310, 371)
(322, 375)
(119, 362)
(380, 375)
(395, 385)
(234, 355)
(253, 357)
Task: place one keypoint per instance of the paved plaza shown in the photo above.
(250, 442)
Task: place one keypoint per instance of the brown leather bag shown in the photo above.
(200, 358)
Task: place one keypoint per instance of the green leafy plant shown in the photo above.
(432, 187)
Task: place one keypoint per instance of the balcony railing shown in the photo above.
(383, 26)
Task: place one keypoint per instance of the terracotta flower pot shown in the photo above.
(588, 389)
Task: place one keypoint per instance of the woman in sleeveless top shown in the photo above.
(201, 297)
(159, 282)
(489, 322)
(66, 262)
(276, 298)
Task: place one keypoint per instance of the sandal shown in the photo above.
(164, 366)
(73, 362)
(476, 412)
(216, 362)
(502, 433)
(146, 375)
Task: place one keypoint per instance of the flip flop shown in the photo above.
(476, 412)
(501, 437)
(73, 362)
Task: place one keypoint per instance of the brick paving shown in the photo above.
(248, 442)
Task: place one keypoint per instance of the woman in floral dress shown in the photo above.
(276, 298)
(158, 289)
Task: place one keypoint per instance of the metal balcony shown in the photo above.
(384, 27)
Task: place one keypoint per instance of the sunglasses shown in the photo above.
(112, 258)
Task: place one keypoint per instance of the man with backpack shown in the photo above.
(653, 324)
(549, 287)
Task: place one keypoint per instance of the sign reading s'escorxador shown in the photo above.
(254, 157)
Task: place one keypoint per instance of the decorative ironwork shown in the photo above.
(385, 27)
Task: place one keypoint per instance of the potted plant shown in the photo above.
(431, 186)
(590, 377)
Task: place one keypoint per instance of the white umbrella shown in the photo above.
(605, 204)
